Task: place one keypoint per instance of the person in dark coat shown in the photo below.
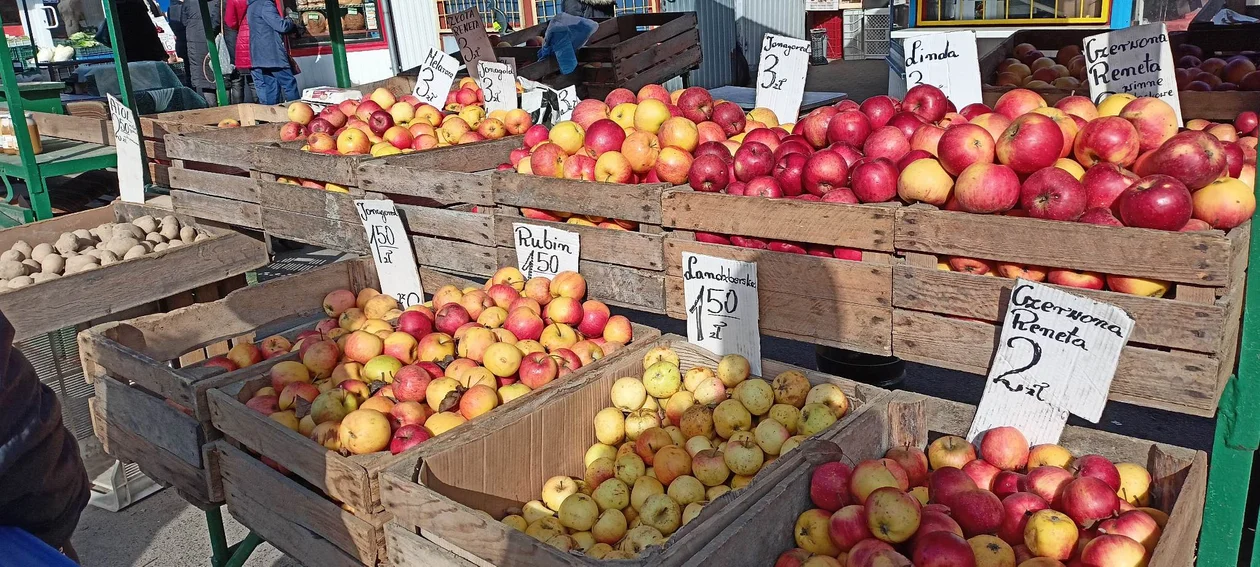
(200, 71)
(140, 38)
(43, 484)
(270, 65)
(591, 9)
(175, 17)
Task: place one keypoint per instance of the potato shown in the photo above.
(42, 277)
(20, 281)
(154, 237)
(23, 247)
(202, 236)
(13, 255)
(174, 243)
(75, 264)
(160, 247)
(131, 230)
(10, 269)
(95, 253)
(52, 264)
(170, 231)
(170, 220)
(120, 246)
(136, 252)
(42, 249)
(31, 266)
(84, 235)
(102, 245)
(68, 242)
(103, 232)
(146, 223)
(187, 234)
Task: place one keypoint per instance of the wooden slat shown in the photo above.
(237, 188)
(1175, 381)
(689, 59)
(50, 230)
(452, 223)
(639, 203)
(621, 247)
(1189, 490)
(159, 423)
(319, 231)
(1161, 322)
(456, 256)
(229, 146)
(442, 186)
(615, 285)
(467, 158)
(293, 162)
(663, 54)
(644, 42)
(406, 549)
(80, 128)
(855, 226)
(1189, 257)
(156, 462)
(210, 207)
(307, 201)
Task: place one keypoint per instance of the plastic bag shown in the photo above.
(566, 34)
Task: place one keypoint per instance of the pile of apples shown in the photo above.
(1031, 69)
(669, 444)
(1013, 505)
(384, 125)
(1194, 73)
(374, 377)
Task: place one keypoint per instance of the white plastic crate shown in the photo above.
(853, 48)
(876, 32)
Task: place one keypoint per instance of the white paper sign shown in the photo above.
(781, 76)
(436, 75)
(948, 61)
(1057, 355)
(470, 35)
(545, 251)
(165, 35)
(722, 306)
(127, 145)
(1134, 60)
(391, 250)
(498, 83)
(568, 100)
(510, 62)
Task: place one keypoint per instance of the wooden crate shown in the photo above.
(628, 51)
(1218, 105)
(764, 530)
(350, 514)
(1183, 346)
(622, 267)
(440, 494)
(838, 303)
(50, 305)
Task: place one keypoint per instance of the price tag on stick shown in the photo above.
(545, 251)
(435, 78)
(498, 83)
(781, 75)
(391, 250)
(470, 35)
(127, 141)
(947, 61)
(1134, 60)
(722, 306)
(1057, 355)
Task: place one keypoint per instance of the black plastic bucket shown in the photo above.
(881, 371)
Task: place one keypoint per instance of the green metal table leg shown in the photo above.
(220, 89)
(1224, 512)
(242, 550)
(219, 550)
(333, 9)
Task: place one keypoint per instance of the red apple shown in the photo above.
(1030, 143)
(962, 145)
(1047, 482)
(974, 109)
(872, 180)
(976, 511)
(538, 369)
(1109, 139)
(711, 238)
(408, 436)
(987, 188)
(829, 486)
(927, 101)
(908, 123)
(764, 186)
(730, 117)
(604, 135)
(824, 171)
(1099, 467)
(1099, 215)
(1069, 278)
(879, 109)
(1087, 500)
(946, 482)
(696, 104)
(1246, 123)
(849, 127)
(766, 136)
(1054, 194)
(753, 159)
(1193, 157)
(709, 174)
(1159, 202)
(1017, 508)
(1006, 483)
(943, 549)
(788, 172)
(1104, 183)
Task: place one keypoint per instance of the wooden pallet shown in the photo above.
(1183, 346)
(628, 51)
(340, 495)
(826, 301)
(763, 530)
(622, 267)
(439, 495)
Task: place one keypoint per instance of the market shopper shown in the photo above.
(140, 37)
(591, 8)
(270, 65)
(43, 484)
(236, 29)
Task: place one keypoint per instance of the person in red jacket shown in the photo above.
(234, 17)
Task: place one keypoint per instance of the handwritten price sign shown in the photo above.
(1057, 355)
(947, 61)
(127, 140)
(435, 78)
(722, 306)
(391, 250)
(1134, 60)
(470, 35)
(781, 75)
(499, 85)
(544, 251)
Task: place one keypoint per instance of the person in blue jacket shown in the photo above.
(270, 64)
(43, 484)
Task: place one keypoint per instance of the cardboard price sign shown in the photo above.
(947, 61)
(1136, 60)
(781, 76)
(499, 85)
(722, 306)
(1057, 355)
(437, 73)
(470, 35)
(567, 99)
(544, 251)
(391, 250)
(127, 140)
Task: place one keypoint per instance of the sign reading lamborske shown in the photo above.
(1136, 60)
(947, 61)
(781, 76)
(545, 251)
(499, 85)
(435, 78)
(1057, 355)
(391, 250)
(722, 309)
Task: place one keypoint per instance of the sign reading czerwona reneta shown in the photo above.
(1136, 61)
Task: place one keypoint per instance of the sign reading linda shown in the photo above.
(1136, 60)
(722, 306)
(1057, 355)
(947, 61)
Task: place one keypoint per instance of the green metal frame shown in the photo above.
(340, 66)
(220, 88)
